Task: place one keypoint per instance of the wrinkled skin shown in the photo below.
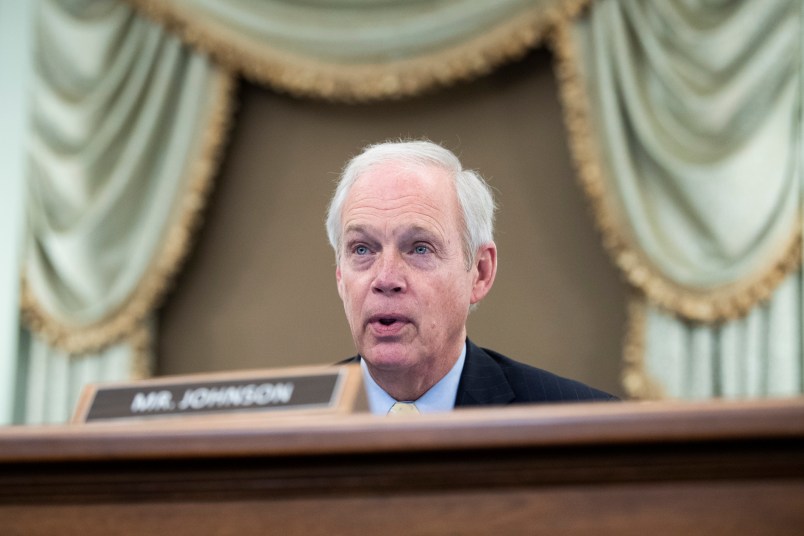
(403, 278)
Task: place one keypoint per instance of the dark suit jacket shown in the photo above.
(491, 379)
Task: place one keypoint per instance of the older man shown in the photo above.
(413, 238)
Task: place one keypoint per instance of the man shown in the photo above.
(413, 238)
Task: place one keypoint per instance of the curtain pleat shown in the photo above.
(359, 51)
(757, 356)
(126, 138)
(685, 120)
(128, 125)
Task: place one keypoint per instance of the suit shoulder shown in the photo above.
(534, 384)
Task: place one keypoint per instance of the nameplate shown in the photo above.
(277, 391)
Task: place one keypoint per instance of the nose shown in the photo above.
(390, 276)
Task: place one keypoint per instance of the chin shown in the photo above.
(389, 357)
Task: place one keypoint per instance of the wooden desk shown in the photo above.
(629, 468)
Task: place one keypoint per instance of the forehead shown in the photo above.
(396, 189)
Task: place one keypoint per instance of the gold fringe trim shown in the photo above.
(728, 302)
(141, 342)
(128, 320)
(302, 76)
(636, 380)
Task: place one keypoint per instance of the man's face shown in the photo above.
(402, 275)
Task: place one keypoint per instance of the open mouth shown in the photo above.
(388, 323)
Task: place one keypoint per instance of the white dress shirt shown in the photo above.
(440, 397)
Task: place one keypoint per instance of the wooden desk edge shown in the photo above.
(517, 426)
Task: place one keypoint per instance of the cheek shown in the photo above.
(456, 287)
(448, 300)
(460, 296)
(351, 296)
(346, 296)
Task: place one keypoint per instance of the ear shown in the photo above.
(485, 271)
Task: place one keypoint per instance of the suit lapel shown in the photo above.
(482, 380)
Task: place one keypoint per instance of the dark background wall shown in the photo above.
(259, 288)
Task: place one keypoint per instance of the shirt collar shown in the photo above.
(440, 397)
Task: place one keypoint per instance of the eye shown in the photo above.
(360, 250)
(421, 249)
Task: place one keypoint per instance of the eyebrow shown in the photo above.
(358, 229)
(418, 229)
(406, 233)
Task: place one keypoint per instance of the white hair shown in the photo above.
(474, 194)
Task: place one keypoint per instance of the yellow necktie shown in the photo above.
(403, 408)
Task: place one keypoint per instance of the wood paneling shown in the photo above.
(715, 468)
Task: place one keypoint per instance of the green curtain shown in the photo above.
(757, 356)
(50, 379)
(687, 126)
(15, 43)
(359, 49)
(125, 127)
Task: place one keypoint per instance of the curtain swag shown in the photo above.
(353, 52)
(128, 321)
(709, 305)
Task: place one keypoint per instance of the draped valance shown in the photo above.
(356, 50)
(685, 122)
(126, 130)
(685, 119)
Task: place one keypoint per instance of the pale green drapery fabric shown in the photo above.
(756, 356)
(358, 49)
(15, 43)
(126, 126)
(363, 31)
(50, 380)
(695, 111)
(695, 106)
